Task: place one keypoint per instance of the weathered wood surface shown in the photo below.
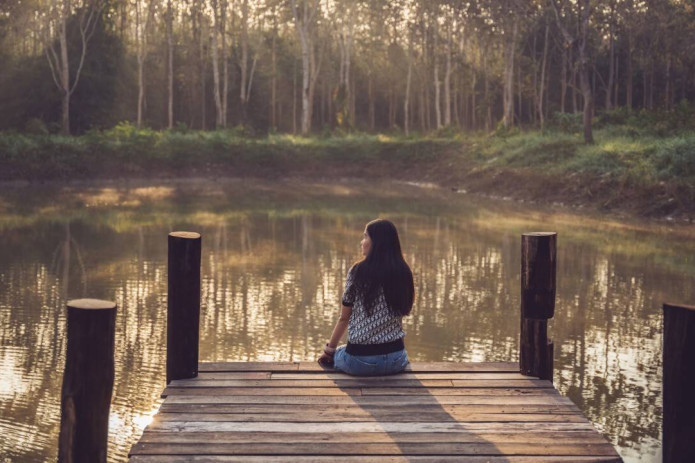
(87, 381)
(679, 377)
(434, 412)
(183, 305)
(538, 275)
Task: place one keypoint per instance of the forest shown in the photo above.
(339, 66)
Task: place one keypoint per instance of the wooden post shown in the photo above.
(679, 384)
(183, 314)
(87, 381)
(538, 275)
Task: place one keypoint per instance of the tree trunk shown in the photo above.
(141, 50)
(216, 66)
(225, 62)
(456, 101)
(370, 96)
(437, 97)
(563, 80)
(616, 84)
(64, 77)
(628, 87)
(541, 92)
(488, 107)
(422, 111)
(303, 27)
(611, 66)
(244, 58)
(584, 75)
(406, 101)
(141, 91)
(508, 95)
(668, 91)
(651, 84)
(644, 88)
(273, 81)
(294, 99)
(447, 81)
(573, 79)
(170, 65)
(474, 104)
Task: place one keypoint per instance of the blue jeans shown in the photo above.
(370, 365)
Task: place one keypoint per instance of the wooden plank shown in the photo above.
(455, 391)
(376, 410)
(373, 426)
(346, 382)
(363, 383)
(365, 459)
(510, 367)
(310, 391)
(346, 391)
(334, 448)
(396, 400)
(248, 366)
(362, 416)
(239, 375)
(401, 376)
(588, 437)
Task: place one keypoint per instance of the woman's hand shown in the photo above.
(327, 356)
(326, 359)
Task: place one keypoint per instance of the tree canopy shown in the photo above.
(305, 66)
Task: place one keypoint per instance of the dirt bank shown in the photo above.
(603, 193)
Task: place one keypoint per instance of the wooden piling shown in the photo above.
(87, 381)
(183, 307)
(679, 384)
(538, 277)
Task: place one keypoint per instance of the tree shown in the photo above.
(142, 29)
(581, 40)
(59, 61)
(305, 24)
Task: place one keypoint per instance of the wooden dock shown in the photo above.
(434, 412)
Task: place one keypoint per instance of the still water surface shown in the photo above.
(274, 261)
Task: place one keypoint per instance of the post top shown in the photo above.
(678, 306)
(185, 235)
(539, 234)
(91, 304)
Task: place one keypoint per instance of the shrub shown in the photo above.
(676, 157)
(35, 126)
(566, 122)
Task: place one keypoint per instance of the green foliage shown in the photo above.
(35, 126)
(620, 122)
(676, 157)
(642, 159)
(566, 122)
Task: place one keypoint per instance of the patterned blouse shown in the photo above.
(382, 326)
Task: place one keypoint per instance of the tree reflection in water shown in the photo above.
(274, 261)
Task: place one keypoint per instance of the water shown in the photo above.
(275, 255)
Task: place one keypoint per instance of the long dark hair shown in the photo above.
(384, 267)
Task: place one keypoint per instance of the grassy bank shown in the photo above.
(641, 163)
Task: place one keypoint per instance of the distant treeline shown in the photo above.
(299, 66)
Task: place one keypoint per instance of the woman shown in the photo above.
(378, 293)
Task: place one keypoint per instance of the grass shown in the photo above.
(642, 148)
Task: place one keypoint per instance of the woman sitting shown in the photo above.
(379, 292)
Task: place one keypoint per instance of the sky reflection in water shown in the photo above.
(274, 261)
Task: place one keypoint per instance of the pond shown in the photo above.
(275, 255)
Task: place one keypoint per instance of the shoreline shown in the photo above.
(499, 184)
(653, 178)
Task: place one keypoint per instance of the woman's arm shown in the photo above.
(340, 326)
(338, 332)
